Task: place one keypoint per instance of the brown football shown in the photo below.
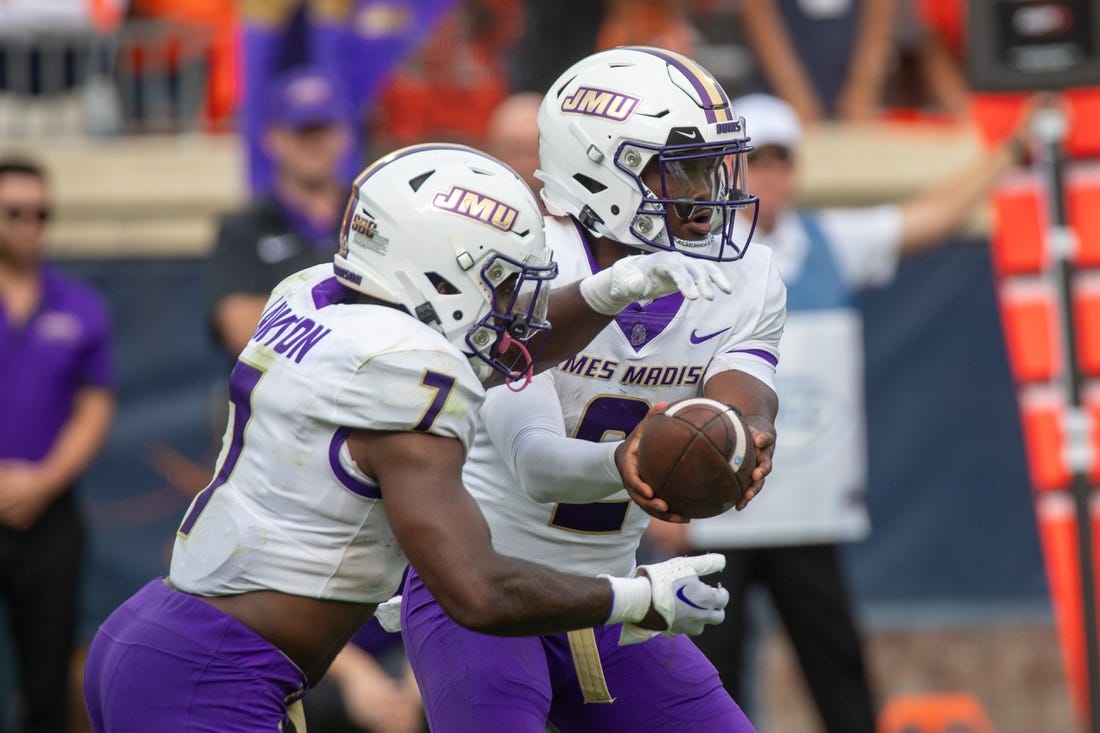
(698, 456)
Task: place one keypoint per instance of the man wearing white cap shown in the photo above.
(814, 500)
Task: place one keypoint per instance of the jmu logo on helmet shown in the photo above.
(600, 103)
(478, 207)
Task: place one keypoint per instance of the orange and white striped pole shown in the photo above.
(1046, 252)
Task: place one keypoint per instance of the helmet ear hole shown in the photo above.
(590, 184)
(442, 285)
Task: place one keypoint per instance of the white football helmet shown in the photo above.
(620, 113)
(455, 237)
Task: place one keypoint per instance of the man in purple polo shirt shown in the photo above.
(56, 405)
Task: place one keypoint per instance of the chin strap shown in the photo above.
(506, 343)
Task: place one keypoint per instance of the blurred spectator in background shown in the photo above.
(941, 54)
(928, 81)
(44, 46)
(788, 541)
(357, 42)
(369, 688)
(449, 88)
(513, 136)
(555, 35)
(660, 23)
(63, 16)
(189, 48)
(827, 58)
(56, 388)
(307, 130)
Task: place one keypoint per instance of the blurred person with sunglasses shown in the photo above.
(56, 391)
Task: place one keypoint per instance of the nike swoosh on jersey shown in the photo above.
(684, 598)
(696, 339)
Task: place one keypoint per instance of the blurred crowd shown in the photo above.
(435, 69)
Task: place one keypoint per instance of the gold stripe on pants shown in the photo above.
(296, 717)
(586, 660)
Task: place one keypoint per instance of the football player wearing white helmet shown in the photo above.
(646, 152)
(353, 406)
(640, 151)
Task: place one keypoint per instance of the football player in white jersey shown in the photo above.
(639, 151)
(352, 409)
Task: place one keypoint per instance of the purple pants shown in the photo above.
(476, 682)
(167, 661)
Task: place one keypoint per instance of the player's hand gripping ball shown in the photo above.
(698, 456)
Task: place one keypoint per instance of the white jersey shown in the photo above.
(288, 509)
(665, 350)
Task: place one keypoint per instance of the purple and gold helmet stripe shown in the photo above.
(715, 102)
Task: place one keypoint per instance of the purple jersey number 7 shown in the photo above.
(442, 384)
(242, 382)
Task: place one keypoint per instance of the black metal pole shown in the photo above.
(1050, 127)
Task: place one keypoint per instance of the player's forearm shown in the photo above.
(752, 397)
(555, 468)
(574, 325)
(528, 430)
(519, 598)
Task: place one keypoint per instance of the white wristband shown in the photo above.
(597, 292)
(631, 599)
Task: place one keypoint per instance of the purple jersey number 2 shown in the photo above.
(242, 382)
(606, 414)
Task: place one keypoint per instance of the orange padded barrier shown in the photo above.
(1031, 310)
(1086, 321)
(1017, 236)
(945, 712)
(1091, 400)
(1020, 219)
(1029, 313)
(1042, 416)
(1083, 212)
(998, 115)
(1058, 537)
(1042, 410)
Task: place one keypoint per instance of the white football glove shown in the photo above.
(649, 276)
(389, 614)
(686, 603)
